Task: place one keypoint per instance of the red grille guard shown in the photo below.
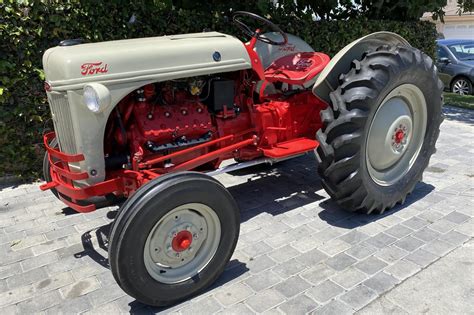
(62, 179)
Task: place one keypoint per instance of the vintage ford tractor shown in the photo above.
(150, 120)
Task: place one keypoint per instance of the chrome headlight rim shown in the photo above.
(96, 97)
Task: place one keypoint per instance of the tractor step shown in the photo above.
(291, 147)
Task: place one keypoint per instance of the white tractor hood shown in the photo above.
(160, 58)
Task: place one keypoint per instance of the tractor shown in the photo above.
(145, 124)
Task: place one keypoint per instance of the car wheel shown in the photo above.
(461, 86)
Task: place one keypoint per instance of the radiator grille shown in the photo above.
(62, 122)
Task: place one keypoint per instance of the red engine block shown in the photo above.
(186, 119)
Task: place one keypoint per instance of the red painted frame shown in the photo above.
(256, 141)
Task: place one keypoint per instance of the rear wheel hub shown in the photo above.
(396, 134)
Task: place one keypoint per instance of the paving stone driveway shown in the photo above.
(297, 251)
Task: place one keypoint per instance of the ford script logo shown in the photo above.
(91, 68)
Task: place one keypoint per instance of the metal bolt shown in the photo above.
(169, 248)
(177, 254)
(195, 236)
(167, 114)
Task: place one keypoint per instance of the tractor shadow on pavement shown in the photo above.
(334, 215)
(261, 189)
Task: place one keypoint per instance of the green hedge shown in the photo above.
(28, 28)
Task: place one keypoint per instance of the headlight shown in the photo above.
(96, 97)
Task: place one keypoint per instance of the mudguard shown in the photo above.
(327, 81)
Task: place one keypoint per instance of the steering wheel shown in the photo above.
(256, 34)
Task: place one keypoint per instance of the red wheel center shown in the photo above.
(399, 135)
(182, 241)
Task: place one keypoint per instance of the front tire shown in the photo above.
(47, 167)
(380, 132)
(173, 238)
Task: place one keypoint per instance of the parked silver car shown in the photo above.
(455, 61)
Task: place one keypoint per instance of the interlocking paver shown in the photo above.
(381, 240)
(283, 253)
(311, 258)
(359, 297)
(39, 303)
(454, 237)
(438, 247)
(233, 294)
(340, 261)
(403, 269)
(318, 273)
(371, 265)
(349, 278)
(207, 305)
(391, 254)
(289, 268)
(426, 234)
(409, 243)
(297, 253)
(361, 251)
(421, 257)
(300, 304)
(262, 281)
(28, 277)
(265, 300)
(354, 237)
(381, 282)
(456, 217)
(325, 291)
(292, 286)
(335, 307)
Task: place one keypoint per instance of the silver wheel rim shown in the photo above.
(182, 243)
(396, 134)
(461, 87)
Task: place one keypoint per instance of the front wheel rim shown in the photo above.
(461, 87)
(396, 134)
(182, 243)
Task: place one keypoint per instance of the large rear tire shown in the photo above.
(173, 238)
(380, 132)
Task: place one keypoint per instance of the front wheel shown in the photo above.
(173, 238)
(47, 167)
(381, 129)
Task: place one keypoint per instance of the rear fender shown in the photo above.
(327, 80)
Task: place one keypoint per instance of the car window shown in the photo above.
(441, 53)
(464, 51)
